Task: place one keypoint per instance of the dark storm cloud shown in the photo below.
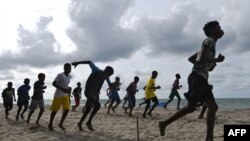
(180, 32)
(98, 34)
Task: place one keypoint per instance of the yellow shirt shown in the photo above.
(149, 93)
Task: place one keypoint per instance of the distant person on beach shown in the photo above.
(114, 96)
(61, 98)
(125, 100)
(174, 92)
(150, 94)
(199, 89)
(92, 90)
(77, 93)
(144, 99)
(109, 99)
(23, 98)
(8, 94)
(131, 91)
(37, 98)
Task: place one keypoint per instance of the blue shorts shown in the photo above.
(115, 96)
(132, 100)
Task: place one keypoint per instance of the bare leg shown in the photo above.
(211, 112)
(28, 119)
(125, 101)
(18, 112)
(165, 105)
(146, 109)
(110, 105)
(203, 110)
(117, 103)
(93, 113)
(156, 102)
(85, 113)
(64, 115)
(182, 112)
(24, 110)
(39, 115)
(52, 116)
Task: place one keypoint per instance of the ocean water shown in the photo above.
(223, 103)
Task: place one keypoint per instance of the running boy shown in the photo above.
(174, 92)
(131, 91)
(92, 90)
(8, 94)
(114, 96)
(61, 98)
(23, 98)
(199, 90)
(37, 98)
(77, 93)
(150, 94)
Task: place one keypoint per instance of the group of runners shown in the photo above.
(199, 90)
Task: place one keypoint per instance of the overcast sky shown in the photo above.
(134, 36)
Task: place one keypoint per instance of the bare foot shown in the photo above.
(61, 126)
(79, 126)
(90, 127)
(51, 128)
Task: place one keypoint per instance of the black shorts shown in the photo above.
(8, 103)
(154, 99)
(199, 89)
(22, 102)
(92, 97)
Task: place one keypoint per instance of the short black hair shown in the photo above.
(178, 75)
(136, 78)
(109, 70)
(26, 80)
(154, 72)
(41, 75)
(9, 84)
(78, 83)
(66, 64)
(117, 78)
(209, 26)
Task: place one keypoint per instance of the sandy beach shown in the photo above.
(117, 126)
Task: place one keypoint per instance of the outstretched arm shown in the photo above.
(91, 64)
(80, 62)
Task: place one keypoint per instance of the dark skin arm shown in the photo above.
(80, 62)
(220, 58)
(14, 95)
(192, 58)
